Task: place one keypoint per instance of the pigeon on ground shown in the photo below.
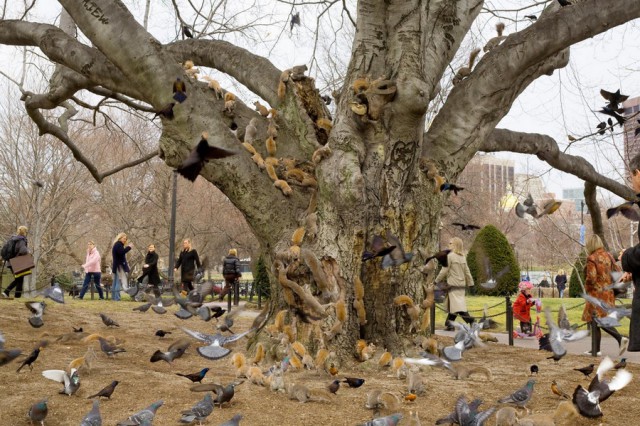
(454, 353)
(234, 421)
(391, 420)
(37, 309)
(144, 417)
(467, 413)
(606, 387)
(108, 321)
(142, 308)
(38, 412)
(520, 397)
(105, 346)
(223, 393)
(71, 381)
(167, 356)
(93, 417)
(107, 391)
(200, 411)
(7, 355)
(195, 377)
(215, 343)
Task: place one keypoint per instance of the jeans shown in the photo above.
(17, 284)
(561, 293)
(96, 280)
(119, 280)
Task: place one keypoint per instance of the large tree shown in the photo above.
(379, 174)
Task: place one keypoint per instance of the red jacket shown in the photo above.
(522, 307)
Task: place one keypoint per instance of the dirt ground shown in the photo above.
(143, 382)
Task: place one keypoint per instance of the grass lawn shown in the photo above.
(475, 305)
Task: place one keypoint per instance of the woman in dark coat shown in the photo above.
(150, 268)
(188, 262)
(631, 263)
(19, 249)
(119, 267)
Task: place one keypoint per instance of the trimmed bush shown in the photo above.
(575, 289)
(491, 244)
(261, 278)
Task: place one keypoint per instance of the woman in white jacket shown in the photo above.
(92, 269)
(458, 279)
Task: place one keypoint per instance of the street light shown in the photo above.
(172, 228)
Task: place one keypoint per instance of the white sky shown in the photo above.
(558, 105)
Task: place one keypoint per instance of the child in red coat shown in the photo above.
(522, 306)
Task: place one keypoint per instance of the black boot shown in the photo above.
(448, 326)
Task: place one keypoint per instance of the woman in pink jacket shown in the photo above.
(92, 269)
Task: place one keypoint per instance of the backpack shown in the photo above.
(8, 249)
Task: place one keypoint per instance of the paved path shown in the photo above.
(608, 345)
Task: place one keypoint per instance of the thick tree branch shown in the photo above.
(257, 73)
(475, 106)
(546, 149)
(60, 48)
(60, 132)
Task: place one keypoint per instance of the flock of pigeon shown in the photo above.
(585, 400)
(70, 378)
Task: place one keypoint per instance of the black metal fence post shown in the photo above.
(432, 314)
(594, 342)
(259, 298)
(236, 293)
(509, 310)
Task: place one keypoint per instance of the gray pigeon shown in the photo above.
(167, 356)
(142, 308)
(54, 293)
(614, 315)
(38, 412)
(454, 353)
(215, 342)
(200, 411)
(397, 256)
(144, 417)
(7, 355)
(520, 397)
(453, 418)
(93, 417)
(234, 421)
(391, 420)
(37, 309)
(108, 321)
(71, 381)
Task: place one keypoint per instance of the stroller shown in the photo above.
(535, 331)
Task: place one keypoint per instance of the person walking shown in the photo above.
(230, 272)
(150, 269)
(458, 279)
(561, 282)
(119, 267)
(20, 248)
(91, 270)
(188, 262)
(598, 269)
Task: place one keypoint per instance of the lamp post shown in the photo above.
(172, 228)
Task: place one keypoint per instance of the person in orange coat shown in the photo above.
(522, 306)
(600, 263)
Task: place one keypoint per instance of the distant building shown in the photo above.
(525, 184)
(576, 195)
(631, 143)
(490, 176)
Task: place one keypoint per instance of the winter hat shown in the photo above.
(525, 285)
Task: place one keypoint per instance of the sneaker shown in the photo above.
(589, 353)
(624, 343)
(4, 295)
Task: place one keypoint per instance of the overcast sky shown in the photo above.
(558, 105)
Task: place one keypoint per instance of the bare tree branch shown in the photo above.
(546, 149)
(60, 132)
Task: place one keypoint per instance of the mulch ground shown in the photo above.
(142, 382)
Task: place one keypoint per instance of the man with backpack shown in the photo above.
(14, 247)
(230, 272)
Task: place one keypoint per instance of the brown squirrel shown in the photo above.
(270, 143)
(229, 102)
(376, 399)
(297, 72)
(415, 383)
(385, 359)
(412, 310)
(259, 356)
(495, 41)
(462, 372)
(360, 85)
(263, 110)
(283, 186)
(464, 72)
(364, 351)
